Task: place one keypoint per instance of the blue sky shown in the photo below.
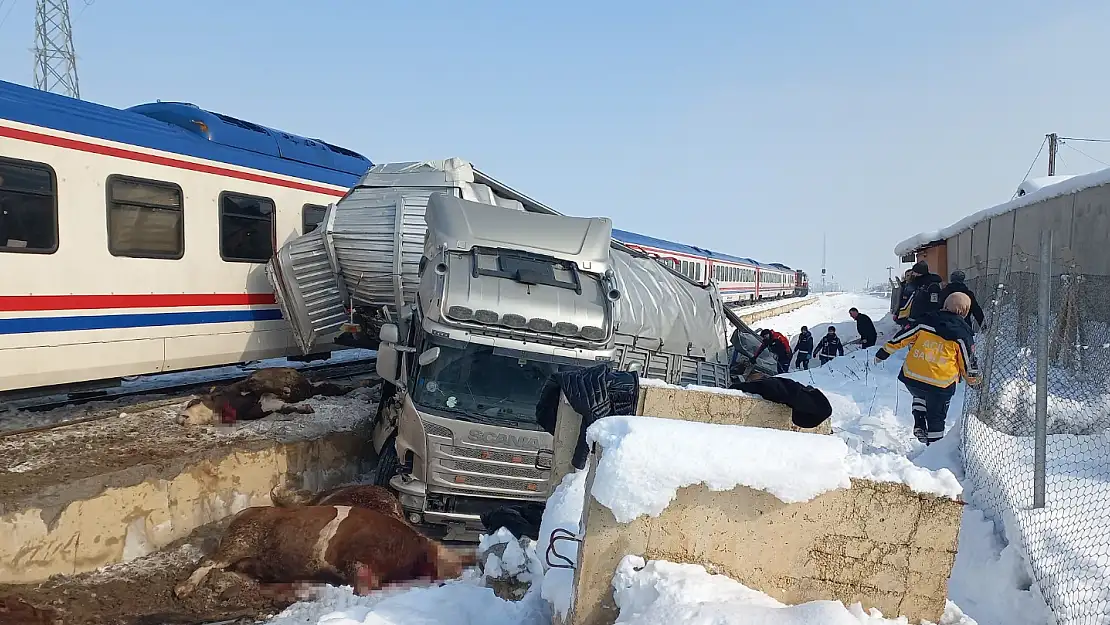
(751, 128)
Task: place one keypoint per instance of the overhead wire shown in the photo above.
(1072, 147)
(1085, 139)
(1031, 165)
(10, 7)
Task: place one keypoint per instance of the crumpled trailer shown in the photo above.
(366, 255)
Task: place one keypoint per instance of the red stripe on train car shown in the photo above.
(132, 155)
(26, 303)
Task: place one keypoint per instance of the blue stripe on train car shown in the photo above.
(172, 127)
(32, 325)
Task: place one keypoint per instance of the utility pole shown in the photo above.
(1053, 145)
(824, 248)
(890, 274)
(55, 59)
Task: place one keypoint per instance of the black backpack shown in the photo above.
(926, 300)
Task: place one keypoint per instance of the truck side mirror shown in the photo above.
(388, 359)
(428, 357)
(389, 334)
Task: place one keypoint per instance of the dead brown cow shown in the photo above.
(365, 496)
(334, 544)
(263, 392)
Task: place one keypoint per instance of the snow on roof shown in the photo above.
(1036, 184)
(1043, 191)
(646, 460)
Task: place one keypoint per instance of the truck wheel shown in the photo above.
(387, 462)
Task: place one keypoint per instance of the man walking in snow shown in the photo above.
(956, 285)
(866, 328)
(778, 345)
(830, 346)
(804, 349)
(940, 354)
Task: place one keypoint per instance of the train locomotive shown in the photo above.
(134, 241)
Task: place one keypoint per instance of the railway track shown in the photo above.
(166, 394)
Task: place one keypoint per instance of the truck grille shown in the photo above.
(495, 456)
(482, 481)
(435, 429)
(527, 473)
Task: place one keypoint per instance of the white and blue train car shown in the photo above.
(134, 241)
(739, 280)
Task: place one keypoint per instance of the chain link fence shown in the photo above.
(1010, 469)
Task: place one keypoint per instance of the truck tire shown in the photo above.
(387, 462)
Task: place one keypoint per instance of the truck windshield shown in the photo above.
(485, 383)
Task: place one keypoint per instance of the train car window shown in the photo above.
(28, 207)
(145, 218)
(311, 216)
(697, 272)
(246, 228)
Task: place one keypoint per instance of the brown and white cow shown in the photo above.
(333, 544)
(263, 392)
(366, 496)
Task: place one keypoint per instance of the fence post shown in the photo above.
(1041, 434)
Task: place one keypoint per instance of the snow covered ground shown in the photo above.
(13, 417)
(830, 310)
(990, 584)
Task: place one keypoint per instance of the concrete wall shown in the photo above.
(684, 405)
(119, 524)
(878, 544)
(764, 313)
(727, 409)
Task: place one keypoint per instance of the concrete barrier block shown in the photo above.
(725, 408)
(879, 544)
(113, 490)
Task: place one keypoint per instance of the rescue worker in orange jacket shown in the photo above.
(941, 353)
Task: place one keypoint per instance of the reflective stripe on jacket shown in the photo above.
(940, 354)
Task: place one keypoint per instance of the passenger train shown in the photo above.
(134, 241)
(740, 280)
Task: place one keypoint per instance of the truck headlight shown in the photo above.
(593, 333)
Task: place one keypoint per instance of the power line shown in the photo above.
(1031, 165)
(1087, 155)
(1088, 140)
(10, 7)
(88, 3)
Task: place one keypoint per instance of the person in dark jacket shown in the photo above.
(941, 352)
(956, 285)
(926, 299)
(803, 348)
(926, 294)
(866, 328)
(778, 345)
(830, 346)
(905, 292)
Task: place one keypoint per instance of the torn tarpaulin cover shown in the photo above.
(593, 392)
